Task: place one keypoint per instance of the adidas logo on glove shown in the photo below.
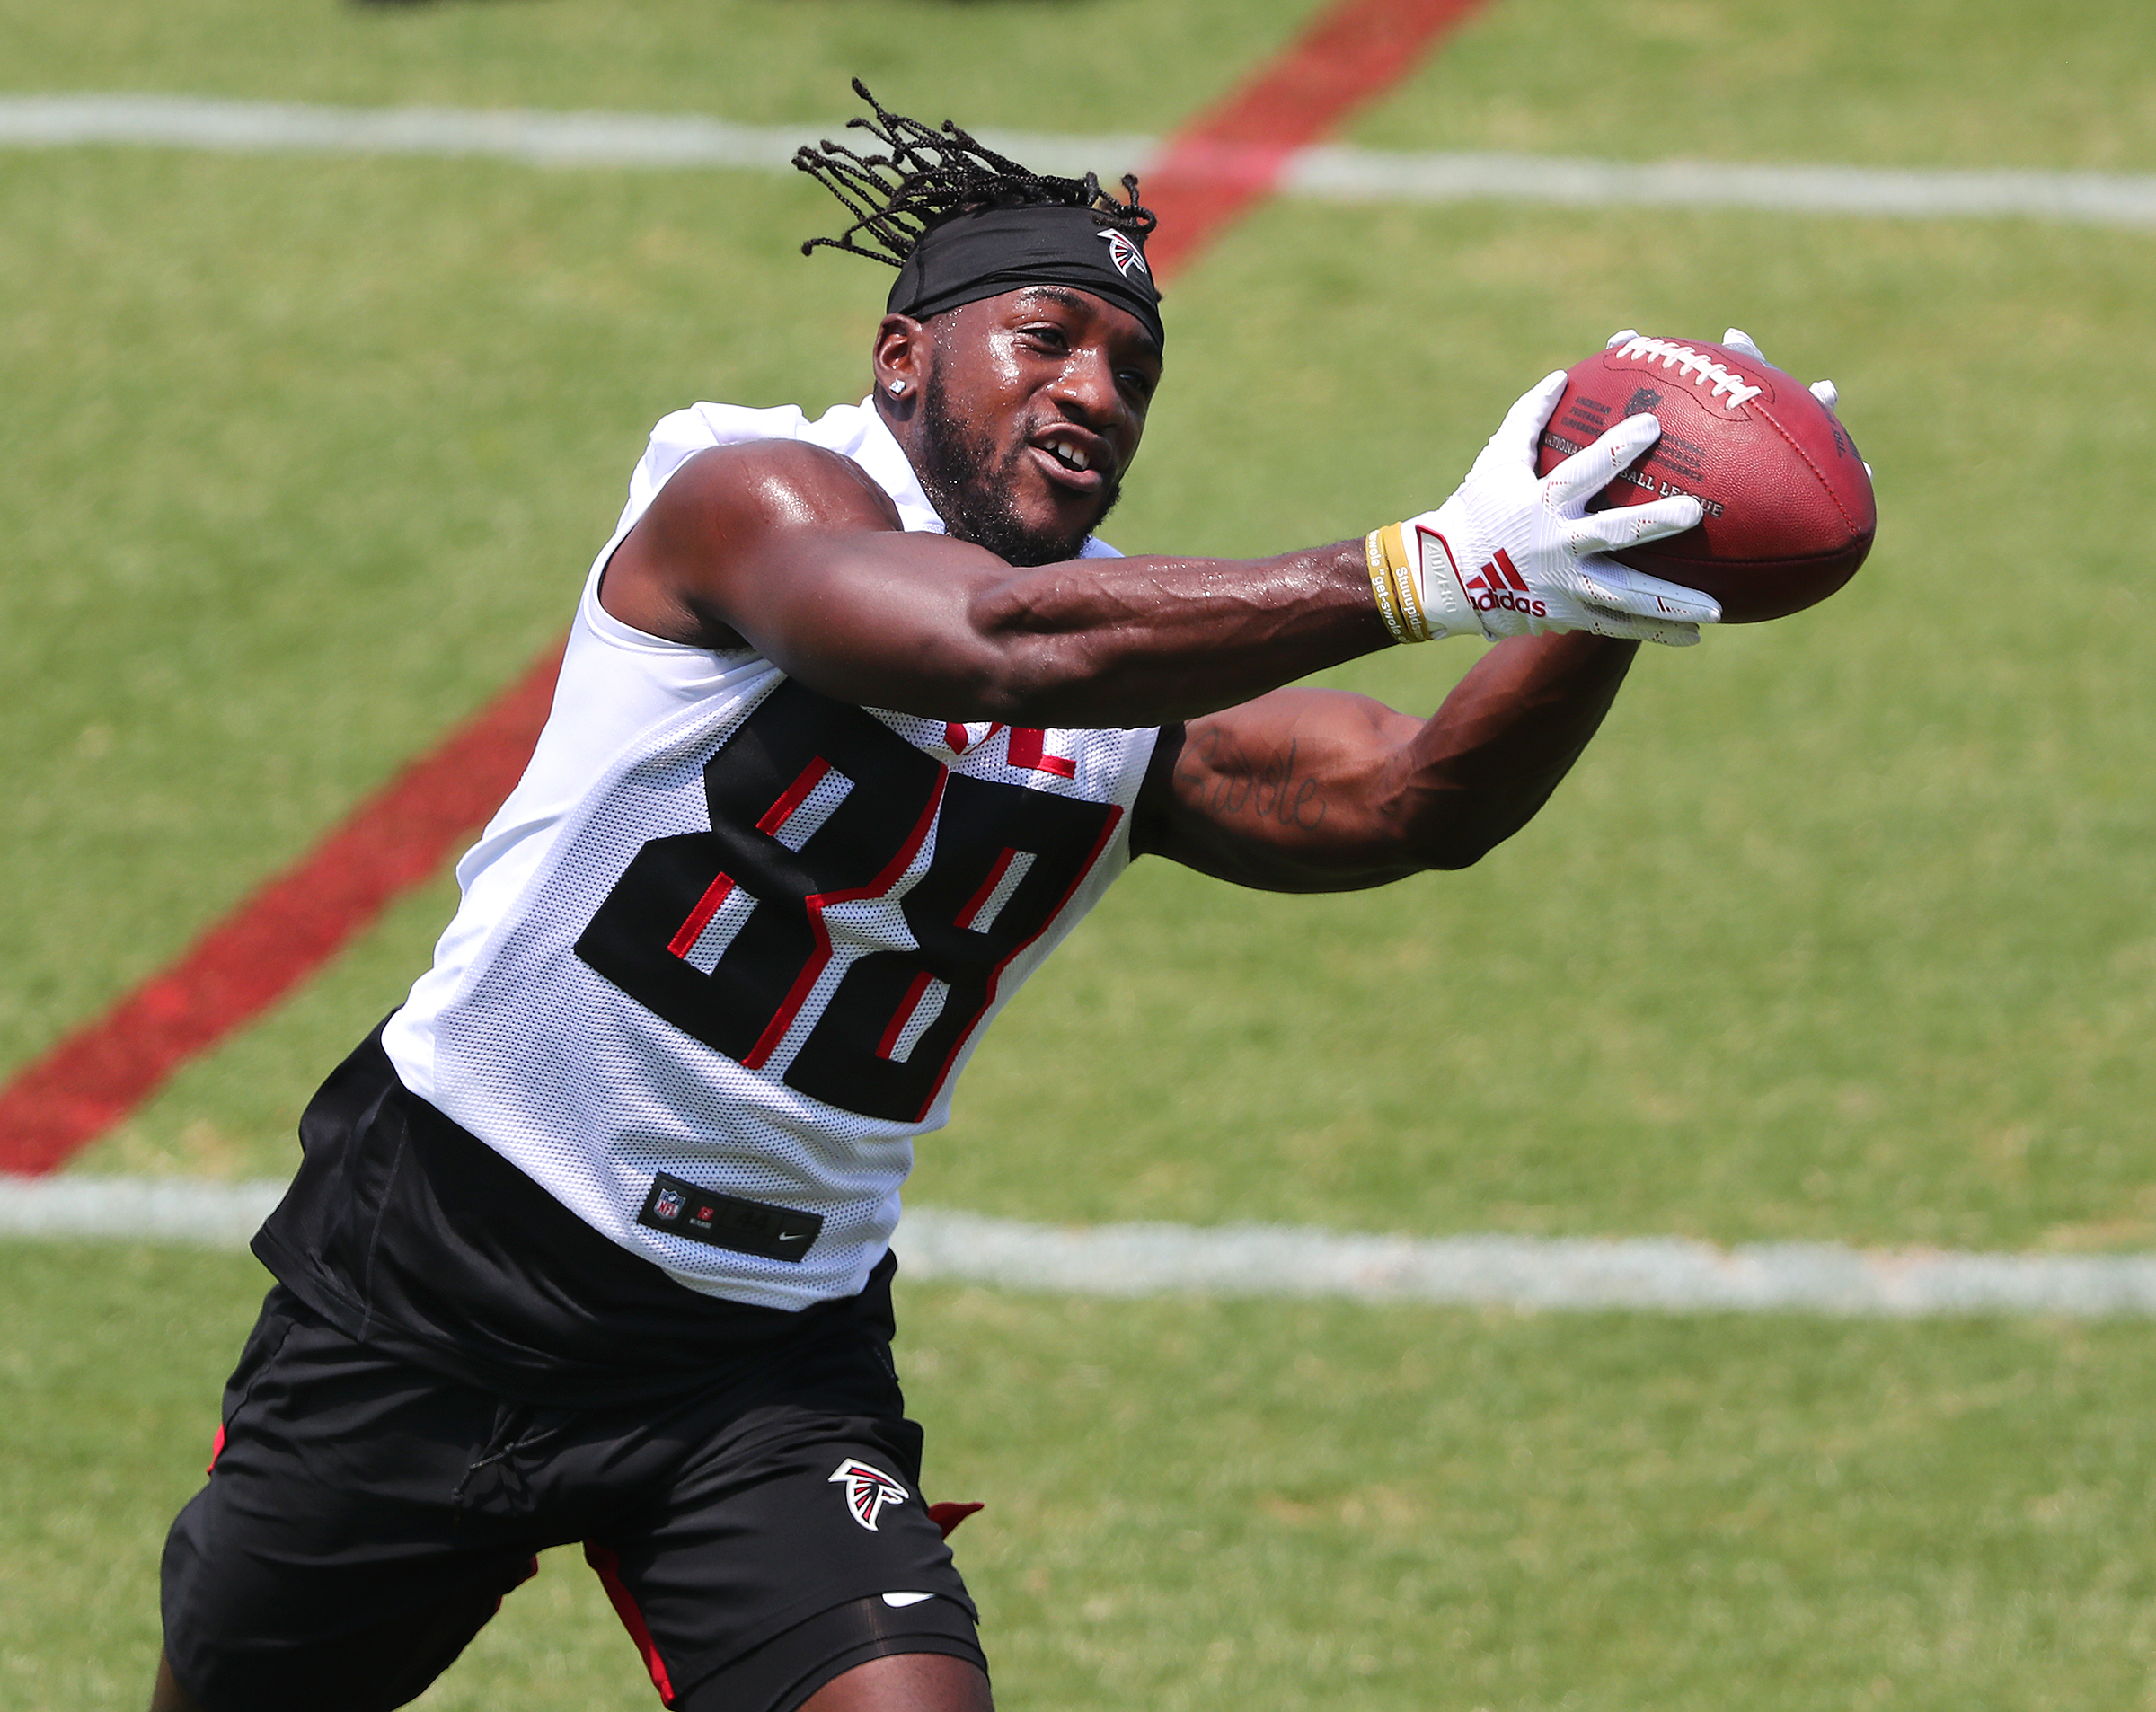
(1500, 585)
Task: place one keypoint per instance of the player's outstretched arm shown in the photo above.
(1312, 790)
(794, 550)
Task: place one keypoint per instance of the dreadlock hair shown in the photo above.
(930, 176)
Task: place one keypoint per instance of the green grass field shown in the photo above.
(1194, 1504)
(1840, 934)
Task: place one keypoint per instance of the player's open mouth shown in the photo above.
(1077, 462)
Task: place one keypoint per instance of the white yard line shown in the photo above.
(214, 1215)
(512, 134)
(2091, 198)
(1330, 175)
(1657, 1273)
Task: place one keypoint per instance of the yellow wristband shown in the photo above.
(1391, 541)
(1382, 586)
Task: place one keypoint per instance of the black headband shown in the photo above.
(973, 256)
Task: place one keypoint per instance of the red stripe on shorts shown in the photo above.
(609, 1567)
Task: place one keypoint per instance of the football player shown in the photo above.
(591, 1239)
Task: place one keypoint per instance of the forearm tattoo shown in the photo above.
(1232, 782)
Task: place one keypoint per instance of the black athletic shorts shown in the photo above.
(364, 1517)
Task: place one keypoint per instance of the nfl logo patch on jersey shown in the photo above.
(694, 1214)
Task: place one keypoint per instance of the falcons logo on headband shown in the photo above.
(868, 1490)
(1125, 254)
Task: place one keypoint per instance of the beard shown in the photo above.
(971, 488)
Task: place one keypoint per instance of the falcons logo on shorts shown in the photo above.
(868, 1490)
(1124, 254)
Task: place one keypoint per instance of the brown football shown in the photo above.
(1789, 509)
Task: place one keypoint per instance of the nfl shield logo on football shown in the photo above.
(667, 1206)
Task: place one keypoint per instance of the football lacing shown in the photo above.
(1696, 366)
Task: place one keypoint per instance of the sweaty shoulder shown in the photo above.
(716, 514)
(773, 485)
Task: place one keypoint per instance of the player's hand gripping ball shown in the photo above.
(1514, 553)
(1787, 497)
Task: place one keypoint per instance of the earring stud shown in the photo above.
(897, 389)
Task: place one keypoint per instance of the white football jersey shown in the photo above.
(723, 951)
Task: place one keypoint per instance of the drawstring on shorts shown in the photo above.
(517, 1428)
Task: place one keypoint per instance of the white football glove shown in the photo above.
(1737, 338)
(1513, 554)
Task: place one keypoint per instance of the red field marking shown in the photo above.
(1232, 155)
(1210, 173)
(395, 840)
